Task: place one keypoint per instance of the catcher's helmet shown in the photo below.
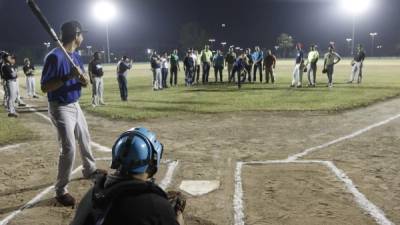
(136, 151)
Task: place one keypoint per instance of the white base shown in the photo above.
(199, 187)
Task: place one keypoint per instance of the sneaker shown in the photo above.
(96, 173)
(299, 86)
(66, 200)
(21, 104)
(35, 96)
(13, 115)
(291, 85)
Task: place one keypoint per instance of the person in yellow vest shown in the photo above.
(206, 57)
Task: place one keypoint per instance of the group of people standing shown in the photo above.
(95, 69)
(245, 65)
(9, 80)
(240, 65)
(331, 58)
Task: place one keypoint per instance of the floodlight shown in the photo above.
(47, 44)
(356, 7)
(104, 11)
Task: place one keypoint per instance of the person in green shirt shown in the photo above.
(206, 57)
(174, 61)
(311, 65)
(230, 59)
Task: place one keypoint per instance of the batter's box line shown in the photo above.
(164, 184)
(31, 108)
(376, 213)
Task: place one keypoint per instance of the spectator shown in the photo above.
(331, 59)
(174, 61)
(96, 79)
(123, 66)
(29, 71)
(269, 66)
(218, 63)
(164, 70)
(298, 68)
(258, 57)
(206, 57)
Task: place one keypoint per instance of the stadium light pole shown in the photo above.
(355, 8)
(212, 40)
(89, 47)
(348, 43)
(373, 41)
(223, 45)
(47, 44)
(105, 11)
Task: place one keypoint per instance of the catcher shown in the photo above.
(130, 196)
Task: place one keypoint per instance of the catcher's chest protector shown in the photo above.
(103, 198)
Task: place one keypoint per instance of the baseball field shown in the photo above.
(290, 156)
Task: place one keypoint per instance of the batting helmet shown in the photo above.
(136, 151)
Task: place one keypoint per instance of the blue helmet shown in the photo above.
(136, 151)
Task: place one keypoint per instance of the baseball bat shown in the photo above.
(46, 25)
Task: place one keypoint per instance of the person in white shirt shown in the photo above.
(164, 70)
(312, 60)
(331, 59)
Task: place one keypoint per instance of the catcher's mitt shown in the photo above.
(305, 70)
(177, 200)
(324, 70)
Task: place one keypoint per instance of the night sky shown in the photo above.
(145, 24)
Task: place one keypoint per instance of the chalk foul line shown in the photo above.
(352, 135)
(376, 213)
(165, 182)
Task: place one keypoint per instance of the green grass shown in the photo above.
(381, 81)
(12, 131)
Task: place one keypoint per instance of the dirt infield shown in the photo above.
(208, 147)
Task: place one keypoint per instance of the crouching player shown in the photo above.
(239, 67)
(130, 196)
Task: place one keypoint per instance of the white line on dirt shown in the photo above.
(352, 135)
(99, 147)
(238, 196)
(8, 147)
(360, 199)
(166, 181)
(32, 202)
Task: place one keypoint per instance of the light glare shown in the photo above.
(104, 11)
(356, 7)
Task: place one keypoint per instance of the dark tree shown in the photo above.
(192, 36)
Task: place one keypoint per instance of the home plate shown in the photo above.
(199, 187)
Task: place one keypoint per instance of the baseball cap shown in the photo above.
(4, 55)
(70, 29)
